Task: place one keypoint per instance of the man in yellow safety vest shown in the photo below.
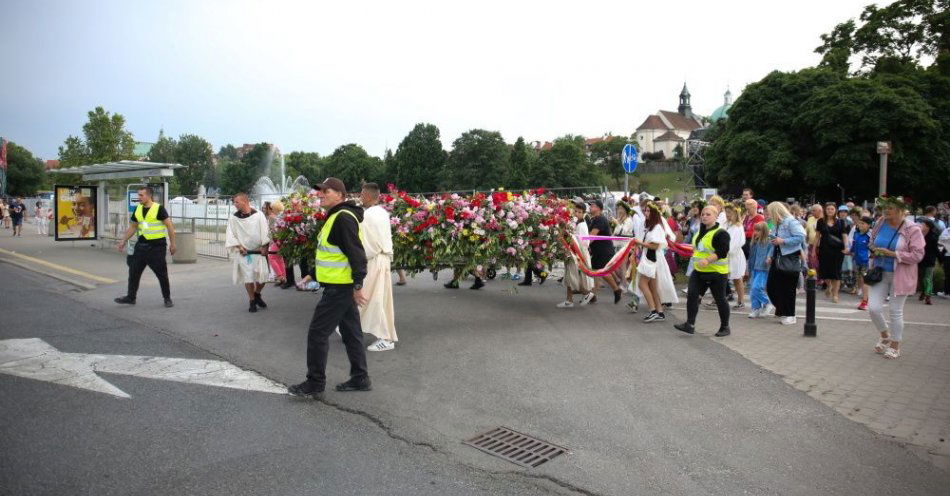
(151, 222)
(710, 271)
(341, 268)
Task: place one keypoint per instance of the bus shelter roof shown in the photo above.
(123, 169)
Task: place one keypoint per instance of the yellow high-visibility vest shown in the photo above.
(332, 265)
(149, 226)
(704, 249)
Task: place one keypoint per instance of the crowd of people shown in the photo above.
(721, 247)
(749, 247)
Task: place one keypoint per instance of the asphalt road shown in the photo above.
(174, 438)
(643, 409)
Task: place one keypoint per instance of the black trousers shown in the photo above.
(336, 308)
(781, 289)
(153, 257)
(531, 270)
(305, 268)
(699, 282)
(946, 276)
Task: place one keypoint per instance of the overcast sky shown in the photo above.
(315, 75)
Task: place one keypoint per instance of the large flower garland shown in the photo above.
(464, 232)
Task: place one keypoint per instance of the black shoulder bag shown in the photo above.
(788, 264)
(876, 273)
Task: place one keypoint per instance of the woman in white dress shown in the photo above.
(737, 261)
(654, 281)
(625, 229)
(576, 281)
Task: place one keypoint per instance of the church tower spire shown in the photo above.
(685, 109)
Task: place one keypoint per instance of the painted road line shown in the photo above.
(62, 268)
(36, 359)
(48, 273)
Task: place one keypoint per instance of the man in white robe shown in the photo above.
(377, 316)
(247, 238)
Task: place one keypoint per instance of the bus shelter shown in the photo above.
(101, 174)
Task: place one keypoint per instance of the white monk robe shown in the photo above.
(251, 232)
(377, 317)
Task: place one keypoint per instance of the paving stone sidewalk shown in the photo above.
(907, 399)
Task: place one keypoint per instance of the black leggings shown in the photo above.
(698, 283)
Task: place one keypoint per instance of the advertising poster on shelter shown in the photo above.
(75, 212)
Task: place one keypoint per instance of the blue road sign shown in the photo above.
(629, 158)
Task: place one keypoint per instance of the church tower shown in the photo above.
(685, 109)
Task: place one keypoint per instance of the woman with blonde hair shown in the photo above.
(784, 262)
(720, 204)
(897, 246)
(737, 260)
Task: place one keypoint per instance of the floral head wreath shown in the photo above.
(901, 202)
(653, 206)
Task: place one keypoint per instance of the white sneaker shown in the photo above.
(769, 310)
(755, 313)
(337, 331)
(381, 345)
(789, 320)
(587, 298)
(565, 304)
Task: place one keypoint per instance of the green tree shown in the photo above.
(519, 165)
(106, 137)
(351, 164)
(163, 150)
(566, 164)
(25, 173)
(479, 160)
(196, 155)
(419, 160)
(306, 164)
(239, 176)
(228, 152)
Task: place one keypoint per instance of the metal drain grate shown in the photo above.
(520, 449)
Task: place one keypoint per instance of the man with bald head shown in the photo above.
(752, 217)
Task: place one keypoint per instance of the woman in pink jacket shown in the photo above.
(897, 246)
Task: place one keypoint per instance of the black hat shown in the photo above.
(332, 183)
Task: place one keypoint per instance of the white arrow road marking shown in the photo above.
(35, 359)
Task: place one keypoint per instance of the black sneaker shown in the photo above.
(524, 283)
(253, 307)
(169, 303)
(660, 316)
(723, 331)
(306, 389)
(363, 384)
(479, 284)
(259, 301)
(451, 285)
(125, 300)
(685, 327)
(649, 317)
(617, 296)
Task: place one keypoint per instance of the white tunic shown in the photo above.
(378, 317)
(737, 261)
(252, 233)
(664, 278)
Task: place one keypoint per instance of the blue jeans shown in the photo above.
(757, 292)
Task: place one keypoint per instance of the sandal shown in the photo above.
(892, 353)
(883, 345)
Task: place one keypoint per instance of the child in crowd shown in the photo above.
(759, 250)
(860, 254)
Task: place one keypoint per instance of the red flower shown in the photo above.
(450, 213)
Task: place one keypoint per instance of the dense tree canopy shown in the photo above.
(419, 160)
(479, 160)
(25, 173)
(806, 132)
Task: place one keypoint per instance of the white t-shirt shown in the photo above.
(736, 236)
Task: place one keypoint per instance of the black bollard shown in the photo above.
(811, 329)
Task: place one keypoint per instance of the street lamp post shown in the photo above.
(883, 149)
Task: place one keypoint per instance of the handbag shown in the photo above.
(647, 268)
(876, 274)
(788, 264)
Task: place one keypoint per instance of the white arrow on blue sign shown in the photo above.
(629, 158)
